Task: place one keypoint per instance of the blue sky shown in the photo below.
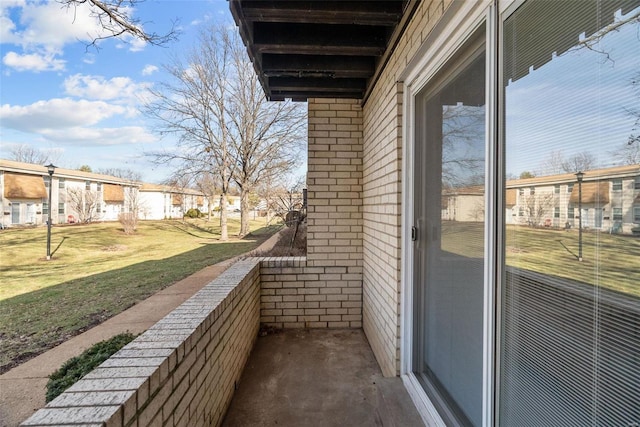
(58, 94)
(581, 101)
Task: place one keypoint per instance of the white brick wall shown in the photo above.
(294, 295)
(181, 372)
(382, 193)
(334, 183)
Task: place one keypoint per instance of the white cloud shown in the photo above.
(149, 69)
(59, 113)
(197, 22)
(52, 25)
(100, 136)
(120, 89)
(89, 58)
(33, 62)
(136, 44)
(43, 28)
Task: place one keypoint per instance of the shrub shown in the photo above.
(129, 221)
(193, 213)
(77, 367)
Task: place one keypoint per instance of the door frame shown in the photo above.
(458, 23)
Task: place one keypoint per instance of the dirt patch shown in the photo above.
(291, 242)
(514, 250)
(114, 248)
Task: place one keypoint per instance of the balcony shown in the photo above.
(204, 364)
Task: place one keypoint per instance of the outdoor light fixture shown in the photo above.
(51, 169)
(579, 177)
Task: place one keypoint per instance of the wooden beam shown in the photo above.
(316, 84)
(319, 65)
(385, 13)
(319, 39)
(304, 95)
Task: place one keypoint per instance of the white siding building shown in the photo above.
(85, 197)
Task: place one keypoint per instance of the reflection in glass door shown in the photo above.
(449, 235)
(570, 301)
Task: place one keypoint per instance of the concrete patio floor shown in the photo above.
(318, 377)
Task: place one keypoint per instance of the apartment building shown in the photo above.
(85, 197)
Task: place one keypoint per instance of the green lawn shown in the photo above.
(97, 271)
(609, 261)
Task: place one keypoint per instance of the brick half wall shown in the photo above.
(294, 295)
(180, 372)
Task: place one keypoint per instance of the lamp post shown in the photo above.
(50, 168)
(579, 176)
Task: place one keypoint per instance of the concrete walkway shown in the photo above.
(22, 389)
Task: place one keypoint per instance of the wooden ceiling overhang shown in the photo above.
(319, 49)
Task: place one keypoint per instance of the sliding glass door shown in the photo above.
(570, 306)
(449, 235)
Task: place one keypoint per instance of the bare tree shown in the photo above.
(28, 154)
(628, 153)
(124, 173)
(84, 203)
(267, 137)
(223, 122)
(206, 183)
(553, 164)
(462, 145)
(180, 183)
(580, 162)
(193, 107)
(287, 197)
(536, 206)
(115, 19)
(133, 205)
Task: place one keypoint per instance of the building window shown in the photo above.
(98, 208)
(570, 213)
(87, 185)
(636, 183)
(521, 191)
(570, 187)
(61, 208)
(617, 214)
(99, 186)
(567, 346)
(47, 181)
(45, 208)
(556, 189)
(60, 182)
(616, 185)
(532, 191)
(636, 214)
(556, 212)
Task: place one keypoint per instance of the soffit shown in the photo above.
(318, 49)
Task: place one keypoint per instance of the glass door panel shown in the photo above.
(570, 316)
(449, 247)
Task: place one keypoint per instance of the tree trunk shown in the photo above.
(224, 235)
(244, 213)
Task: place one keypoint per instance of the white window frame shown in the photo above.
(616, 183)
(458, 23)
(616, 212)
